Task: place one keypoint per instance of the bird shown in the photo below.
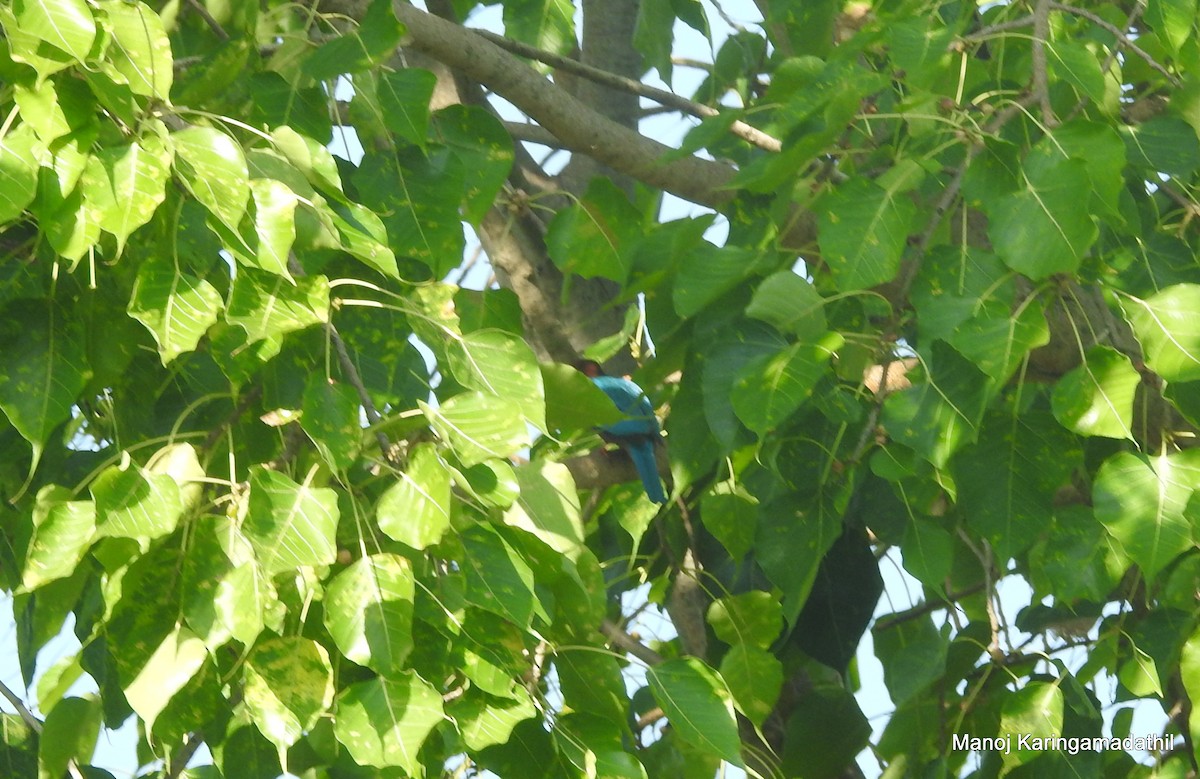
(638, 432)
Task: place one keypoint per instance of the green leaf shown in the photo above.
(771, 388)
(46, 370)
(498, 579)
(169, 669)
(1034, 711)
(503, 365)
(288, 686)
(214, 170)
(290, 524)
(383, 722)
(404, 101)
(732, 518)
(139, 53)
(330, 417)
(711, 272)
(730, 353)
(593, 236)
(309, 157)
(698, 705)
(369, 612)
(18, 172)
(572, 401)
(176, 307)
(594, 683)
(127, 184)
(134, 504)
(755, 678)
(790, 303)
(998, 342)
(1040, 229)
(274, 223)
(1007, 481)
(548, 507)
(942, 414)
(62, 533)
(753, 618)
(652, 36)
(544, 24)
(1189, 672)
(479, 427)
(1168, 326)
(418, 196)
(913, 654)
(1073, 62)
(416, 509)
(928, 553)
(863, 229)
(67, 25)
(1102, 151)
(69, 734)
(268, 306)
(1143, 503)
(483, 146)
(1096, 398)
(595, 747)
(1173, 20)
(1164, 144)
(485, 721)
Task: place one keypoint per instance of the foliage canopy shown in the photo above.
(281, 529)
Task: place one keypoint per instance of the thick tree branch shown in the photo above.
(576, 124)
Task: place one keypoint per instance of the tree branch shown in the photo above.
(577, 125)
(628, 643)
(739, 128)
(1123, 39)
(18, 704)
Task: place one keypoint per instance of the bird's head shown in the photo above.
(589, 368)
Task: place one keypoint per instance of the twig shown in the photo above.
(739, 128)
(649, 718)
(351, 372)
(27, 715)
(920, 610)
(183, 756)
(1120, 35)
(988, 32)
(628, 643)
(212, 23)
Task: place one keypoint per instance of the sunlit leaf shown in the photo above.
(67, 25)
(176, 307)
(1168, 326)
(213, 167)
(290, 524)
(1143, 502)
(698, 706)
(139, 53)
(480, 427)
(369, 612)
(266, 305)
(289, 684)
(383, 722)
(1096, 399)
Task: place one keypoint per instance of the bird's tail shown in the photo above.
(641, 451)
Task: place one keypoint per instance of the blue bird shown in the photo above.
(638, 433)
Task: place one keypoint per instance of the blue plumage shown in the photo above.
(636, 434)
